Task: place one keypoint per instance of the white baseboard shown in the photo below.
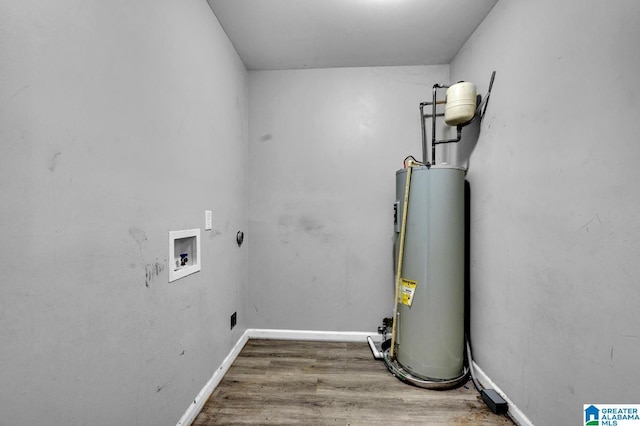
(514, 412)
(325, 336)
(258, 333)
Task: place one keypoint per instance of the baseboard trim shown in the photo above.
(196, 406)
(259, 333)
(325, 336)
(514, 412)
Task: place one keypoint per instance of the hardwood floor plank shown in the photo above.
(292, 382)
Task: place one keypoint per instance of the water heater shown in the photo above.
(430, 309)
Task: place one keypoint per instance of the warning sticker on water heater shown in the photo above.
(408, 288)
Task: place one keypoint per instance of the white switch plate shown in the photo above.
(207, 220)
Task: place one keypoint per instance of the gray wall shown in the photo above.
(555, 214)
(119, 121)
(324, 147)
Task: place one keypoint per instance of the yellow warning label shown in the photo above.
(408, 288)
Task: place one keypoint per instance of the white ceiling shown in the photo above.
(285, 34)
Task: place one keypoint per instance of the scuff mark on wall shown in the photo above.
(289, 226)
(153, 270)
(312, 226)
(54, 161)
(20, 90)
(284, 228)
(585, 227)
(138, 235)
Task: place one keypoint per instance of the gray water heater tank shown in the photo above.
(430, 332)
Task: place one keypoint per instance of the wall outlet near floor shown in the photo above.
(234, 318)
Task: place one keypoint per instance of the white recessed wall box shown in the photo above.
(184, 253)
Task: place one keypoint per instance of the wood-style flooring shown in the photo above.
(301, 382)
